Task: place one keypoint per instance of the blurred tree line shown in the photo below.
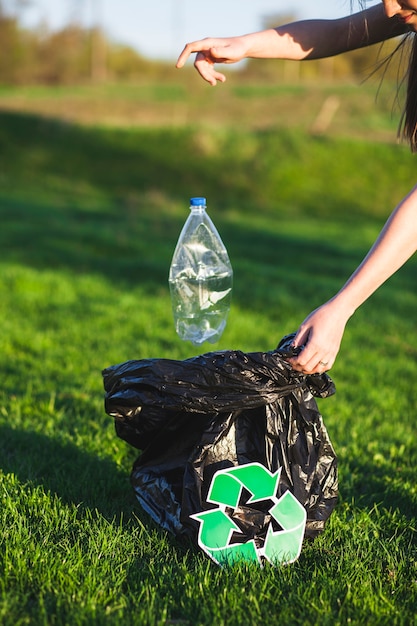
(71, 55)
(76, 54)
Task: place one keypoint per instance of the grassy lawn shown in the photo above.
(178, 99)
(90, 217)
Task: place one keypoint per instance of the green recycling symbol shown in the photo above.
(216, 526)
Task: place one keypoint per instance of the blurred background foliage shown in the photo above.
(76, 54)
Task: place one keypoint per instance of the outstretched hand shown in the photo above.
(321, 334)
(210, 51)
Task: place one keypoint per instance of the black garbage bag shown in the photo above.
(221, 410)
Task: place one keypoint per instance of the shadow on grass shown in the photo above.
(95, 201)
(74, 475)
(89, 482)
(134, 248)
(89, 202)
(369, 484)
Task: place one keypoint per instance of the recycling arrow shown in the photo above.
(216, 526)
(227, 485)
(216, 529)
(284, 545)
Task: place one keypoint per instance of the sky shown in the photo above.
(159, 29)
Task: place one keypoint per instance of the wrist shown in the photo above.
(261, 45)
(343, 305)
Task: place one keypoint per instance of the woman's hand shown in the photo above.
(210, 51)
(321, 334)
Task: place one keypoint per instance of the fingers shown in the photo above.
(301, 337)
(319, 338)
(205, 67)
(308, 361)
(189, 49)
(204, 64)
(205, 46)
(312, 361)
(207, 56)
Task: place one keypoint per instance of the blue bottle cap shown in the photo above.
(197, 201)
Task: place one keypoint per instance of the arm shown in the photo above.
(310, 39)
(322, 331)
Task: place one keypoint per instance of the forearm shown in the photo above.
(313, 39)
(396, 243)
(321, 332)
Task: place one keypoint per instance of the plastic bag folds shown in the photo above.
(220, 410)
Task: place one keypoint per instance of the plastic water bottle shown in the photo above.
(200, 279)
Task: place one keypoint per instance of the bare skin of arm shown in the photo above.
(322, 330)
(310, 39)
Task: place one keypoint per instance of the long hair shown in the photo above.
(406, 50)
(408, 124)
(407, 129)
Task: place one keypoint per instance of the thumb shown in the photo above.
(301, 337)
(222, 54)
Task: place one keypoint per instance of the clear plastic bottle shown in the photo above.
(200, 279)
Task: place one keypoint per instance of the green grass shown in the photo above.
(89, 221)
(365, 108)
